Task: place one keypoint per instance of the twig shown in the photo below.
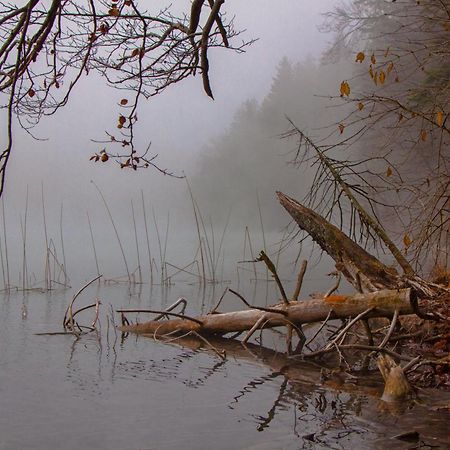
(334, 287)
(260, 308)
(301, 274)
(254, 328)
(69, 308)
(270, 265)
(221, 353)
(220, 300)
(391, 329)
(320, 328)
(164, 313)
(349, 325)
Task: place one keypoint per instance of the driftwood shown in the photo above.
(362, 270)
(376, 304)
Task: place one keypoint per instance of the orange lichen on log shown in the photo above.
(336, 298)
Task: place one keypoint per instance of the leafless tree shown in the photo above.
(391, 148)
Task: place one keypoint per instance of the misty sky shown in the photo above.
(179, 123)
(183, 118)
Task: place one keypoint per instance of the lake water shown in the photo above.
(102, 391)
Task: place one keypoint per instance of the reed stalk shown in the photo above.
(93, 246)
(137, 243)
(147, 238)
(115, 230)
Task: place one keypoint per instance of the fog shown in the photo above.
(207, 140)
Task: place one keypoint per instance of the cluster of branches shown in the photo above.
(390, 150)
(47, 47)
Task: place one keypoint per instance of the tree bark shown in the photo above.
(383, 303)
(362, 270)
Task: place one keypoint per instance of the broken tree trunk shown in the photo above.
(375, 304)
(362, 270)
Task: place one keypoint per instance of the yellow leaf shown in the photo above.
(407, 240)
(345, 89)
(423, 135)
(440, 118)
(382, 77)
(373, 59)
(360, 106)
(388, 172)
(390, 67)
(360, 57)
(341, 128)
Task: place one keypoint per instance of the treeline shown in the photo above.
(250, 160)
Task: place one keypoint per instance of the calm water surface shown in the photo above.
(104, 392)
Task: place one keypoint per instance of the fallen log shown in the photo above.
(362, 270)
(382, 303)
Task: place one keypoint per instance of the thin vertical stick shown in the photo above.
(261, 222)
(222, 239)
(47, 271)
(137, 243)
(252, 255)
(147, 237)
(202, 258)
(166, 237)
(3, 266)
(93, 245)
(115, 230)
(66, 276)
(158, 236)
(24, 238)
(6, 244)
(300, 277)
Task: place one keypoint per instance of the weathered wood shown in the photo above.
(360, 268)
(384, 302)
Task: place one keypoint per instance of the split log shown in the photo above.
(362, 270)
(382, 303)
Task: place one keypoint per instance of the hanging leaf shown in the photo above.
(360, 57)
(423, 135)
(373, 59)
(341, 128)
(386, 53)
(397, 79)
(389, 172)
(440, 118)
(375, 78)
(31, 93)
(360, 106)
(382, 77)
(390, 67)
(114, 12)
(123, 102)
(345, 89)
(371, 71)
(135, 52)
(104, 156)
(407, 240)
(122, 120)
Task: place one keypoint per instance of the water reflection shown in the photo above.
(103, 391)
